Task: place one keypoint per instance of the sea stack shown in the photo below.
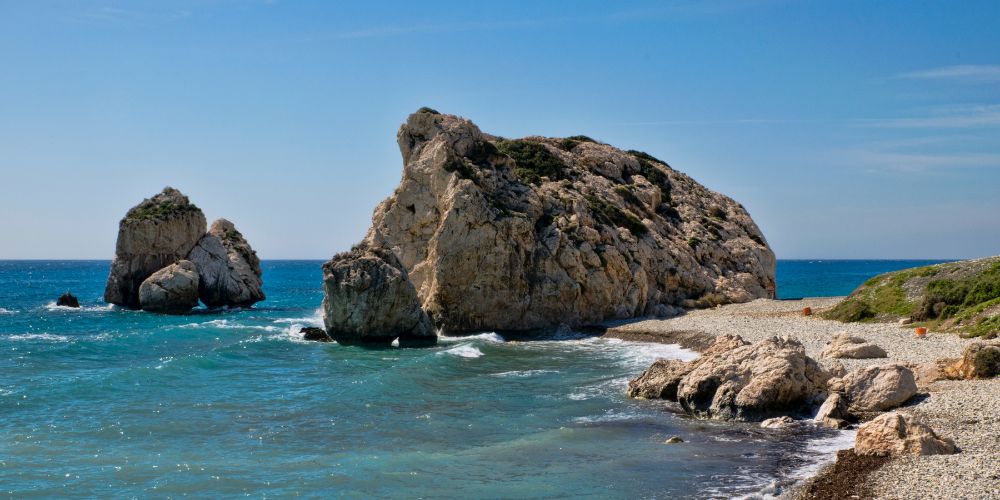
(168, 233)
(522, 234)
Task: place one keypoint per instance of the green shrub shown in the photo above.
(150, 210)
(532, 160)
(609, 214)
(425, 109)
(850, 310)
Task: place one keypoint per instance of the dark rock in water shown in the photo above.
(68, 300)
(369, 299)
(315, 334)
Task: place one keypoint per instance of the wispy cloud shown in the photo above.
(968, 116)
(969, 73)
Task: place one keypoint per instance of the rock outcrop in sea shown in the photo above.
(520, 234)
(161, 232)
(68, 300)
(736, 380)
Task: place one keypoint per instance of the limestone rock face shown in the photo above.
(845, 346)
(173, 289)
(878, 388)
(228, 267)
(154, 234)
(659, 381)
(369, 300)
(500, 234)
(736, 380)
(897, 434)
(752, 381)
(979, 360)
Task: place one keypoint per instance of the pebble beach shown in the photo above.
(965, 411)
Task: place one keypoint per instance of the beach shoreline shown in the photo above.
(963, 410)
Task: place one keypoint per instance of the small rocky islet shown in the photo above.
(167, 260)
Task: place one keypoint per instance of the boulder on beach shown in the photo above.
(154, 234)
(736, 380)
(979, 360)
(843, 345)
(368, 299)
(68, 300)
(172, 290)
(522, 234)
(833, 412)
(877, 388)
(900, 434)
(228, 267)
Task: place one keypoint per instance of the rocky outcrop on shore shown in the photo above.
(736, 380)
(369, 300)
(165, 230)
(979, 360)
(898, 433)
(962, 296)
(499, 234)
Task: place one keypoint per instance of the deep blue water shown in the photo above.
(833, 278)
(104, 402)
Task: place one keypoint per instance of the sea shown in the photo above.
(110, 403)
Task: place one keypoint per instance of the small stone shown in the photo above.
(315, 334)
(673, 440)
(777, 423)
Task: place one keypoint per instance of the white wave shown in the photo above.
(224, 324)
(315, 320)
(523, 373)
(823, 451)
(40, 336)
(51, 306)
(7, 311)
(488, 336)
(464, 351)
(609, 416)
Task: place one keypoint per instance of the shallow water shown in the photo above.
(102, 401)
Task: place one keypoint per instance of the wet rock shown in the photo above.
(369, 299)
(315, 334)
(673, 440)
(172, 290)
(833, 412)
(899, 434)
(660, 380)
(778, 423)
(68, 300)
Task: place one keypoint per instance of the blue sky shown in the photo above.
(849, 129)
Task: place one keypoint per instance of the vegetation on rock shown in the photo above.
(532, 160)
(957, 296)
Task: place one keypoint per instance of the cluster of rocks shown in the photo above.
(485, 233)
(166, 260)
(774, 380)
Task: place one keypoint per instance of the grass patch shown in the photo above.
(532, 160)
(609, 214)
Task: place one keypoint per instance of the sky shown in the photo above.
(849, 129)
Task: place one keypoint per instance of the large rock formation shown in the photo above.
(154, 234)
(501, 234)
(173, 289)
(167, 229)
(229, 269)
(959, 296)
(898, 434)
(369, 300)
(736, 380)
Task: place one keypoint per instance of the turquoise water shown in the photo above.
(832, 278)
(108, 402)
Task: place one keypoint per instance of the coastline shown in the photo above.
(963, 410)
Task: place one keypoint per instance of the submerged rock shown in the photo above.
(500, 234)
(736, 380)
(368, 299)
(173, 289)
(228, 267)
(843, 345)
(878, 388)
(154, 234)
(898, 434)
(68, 300)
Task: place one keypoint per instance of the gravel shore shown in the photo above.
(966, 411)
